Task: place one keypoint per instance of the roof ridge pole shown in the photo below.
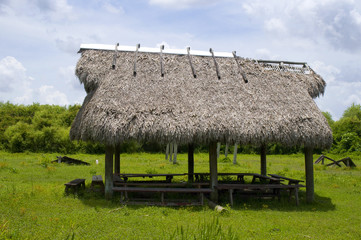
(135, 59)
(240, 68)
(161, 60)
(215, 63)
(115, 55)
(190, 62)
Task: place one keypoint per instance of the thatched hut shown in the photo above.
(197, 97)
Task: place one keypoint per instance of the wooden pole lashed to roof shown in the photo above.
(240, 68)
(135, 59)
(215, 63)
(190, 63)
(161, 60)
(309, 174)
(213, 170)
(115, 56)
(109, 150)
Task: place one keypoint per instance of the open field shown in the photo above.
(33, 205)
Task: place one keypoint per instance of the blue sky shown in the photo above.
(40, 39)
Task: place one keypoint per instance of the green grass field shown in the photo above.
(33, 204)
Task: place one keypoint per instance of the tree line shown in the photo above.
(45, 128)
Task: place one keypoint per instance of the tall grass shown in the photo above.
(33, 204)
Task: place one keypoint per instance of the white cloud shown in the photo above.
(181, 4)
(276, 25)
(328, 72)
(12, 75)
(54, 10)
(335, 22)
(339, 96)
(69, 44)
(49, 95)
(68, 74)
(356, 17)
(16, 86)
(265, 54)
(111, 8)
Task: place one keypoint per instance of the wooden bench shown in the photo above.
(97, 183)
(75, 185)
(290, 180)
(261, 189)
(162, 191)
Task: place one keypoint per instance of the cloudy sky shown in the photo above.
(39, 39)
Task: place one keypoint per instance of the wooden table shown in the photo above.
(290, 180)
(168, 176)
(202, 177)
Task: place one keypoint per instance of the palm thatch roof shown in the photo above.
(157, 97)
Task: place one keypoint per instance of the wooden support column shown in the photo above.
(235, 154)
(310, 196)
(175, 153)
(109, 172)
(117, 160)
(226, 150)
(166, 152)
(190, 162)
(263, 160)
(218, 149)
(213, 170)
(171, 152)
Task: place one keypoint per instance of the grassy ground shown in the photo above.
(33, 205)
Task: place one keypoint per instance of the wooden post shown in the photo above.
(117, 160)
(263, 160)
(218, 149)
(175, 153)
(109, 172)
(226, 150)
(235, 154)
(166, 152)
(190, 162)
(213, 170)
(171, 152)
(309, 174)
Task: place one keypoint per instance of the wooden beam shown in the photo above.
(263, 160)
(310, 195)
(117, 160)
(109, 172)
(190, 162)
(213, 170)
